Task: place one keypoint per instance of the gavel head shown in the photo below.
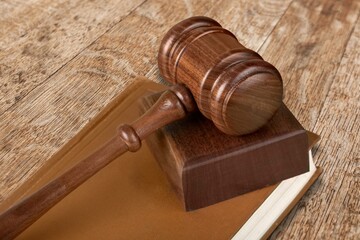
(232, 85)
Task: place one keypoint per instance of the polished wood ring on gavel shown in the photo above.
(232, 85)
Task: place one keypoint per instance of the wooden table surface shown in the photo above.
(61, 62)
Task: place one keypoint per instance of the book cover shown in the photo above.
(131, 197)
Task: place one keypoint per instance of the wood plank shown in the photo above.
(330, 210)
(306, 47)
(39, 37)
(47, 117)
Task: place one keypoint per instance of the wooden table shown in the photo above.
(61, 62)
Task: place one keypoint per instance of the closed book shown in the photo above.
(131, 198)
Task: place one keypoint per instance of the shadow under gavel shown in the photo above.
(230, 84)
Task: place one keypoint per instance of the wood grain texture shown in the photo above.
(305, 40)
(307, 46)
(39, 37)
(331, 209)
(317, 33)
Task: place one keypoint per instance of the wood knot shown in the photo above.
(129, 137)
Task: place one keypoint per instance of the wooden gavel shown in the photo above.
(230, 84)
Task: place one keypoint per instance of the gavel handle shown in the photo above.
(172, 105)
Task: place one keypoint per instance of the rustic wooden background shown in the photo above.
(62, 61)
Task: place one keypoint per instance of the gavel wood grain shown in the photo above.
(231, 85)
